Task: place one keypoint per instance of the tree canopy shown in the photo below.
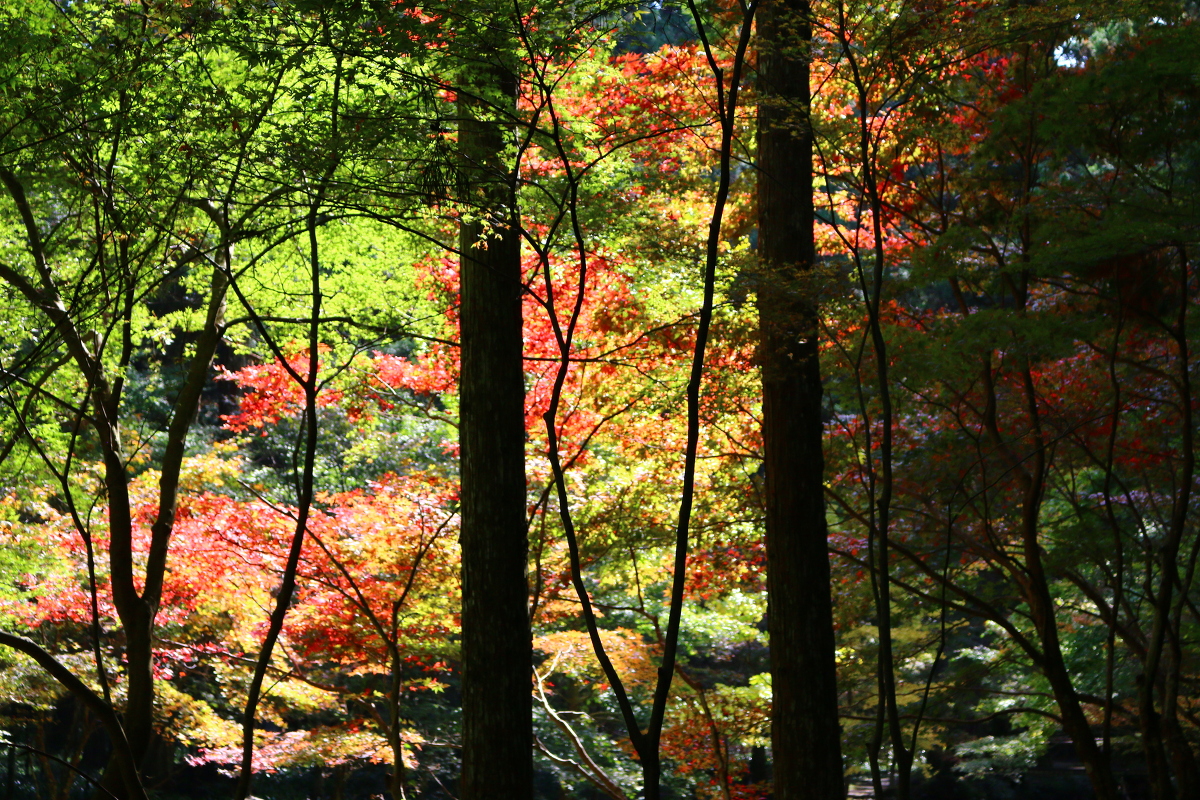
(713, 399)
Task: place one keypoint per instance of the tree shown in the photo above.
(497, 649)
(805, 736)
(1013, 300)
(990, 318)
(120, 201)
(91, 313)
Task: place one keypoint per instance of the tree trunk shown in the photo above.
(1036, 589)
(804, 731)
(1095, 761)
(496, 642)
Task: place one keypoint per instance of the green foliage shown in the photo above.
(1036, 183)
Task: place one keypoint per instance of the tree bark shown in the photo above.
(496, 642)
(805, 734)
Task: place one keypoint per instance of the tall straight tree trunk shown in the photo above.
(496, 642)
(805, 735)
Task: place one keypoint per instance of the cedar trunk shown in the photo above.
(804, 731)
(496, 643)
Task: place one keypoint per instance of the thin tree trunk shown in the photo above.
(1036, 590)
(805, 734)
(399, 774)
(1160, 731)
(304, 478)
(646, 742)
(496, 641)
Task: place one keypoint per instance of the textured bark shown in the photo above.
(496, 643)
(804, 731)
